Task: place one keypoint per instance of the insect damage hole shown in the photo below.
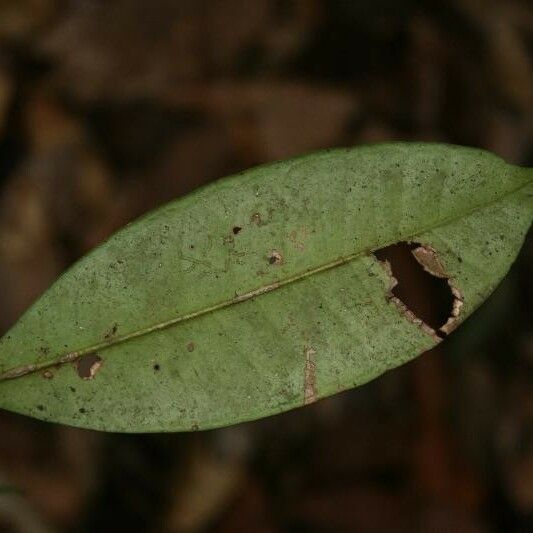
(88, 365)
(422, 288)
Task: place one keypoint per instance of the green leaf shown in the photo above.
(260, 293)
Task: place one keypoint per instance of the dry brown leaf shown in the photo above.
(276, 119)
(20, 18)
(512, 63)
(212, 480)
(6, 94)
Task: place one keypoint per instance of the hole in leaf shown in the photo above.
(236, 229)
(427, 296)
(157, 367)
(88, 365)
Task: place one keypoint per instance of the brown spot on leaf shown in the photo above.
(88, 365)
(191, 346)
(256, 219)
(48, 374)
(112, 331)
(310, 392)
(275, 258)
(298, 238)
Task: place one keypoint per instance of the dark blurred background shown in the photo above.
(110, 108)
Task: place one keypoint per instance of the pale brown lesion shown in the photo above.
(275, 258)
(429, 260)
(458, 302)
(310, 390)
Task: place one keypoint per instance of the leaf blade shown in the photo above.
(323, 247)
